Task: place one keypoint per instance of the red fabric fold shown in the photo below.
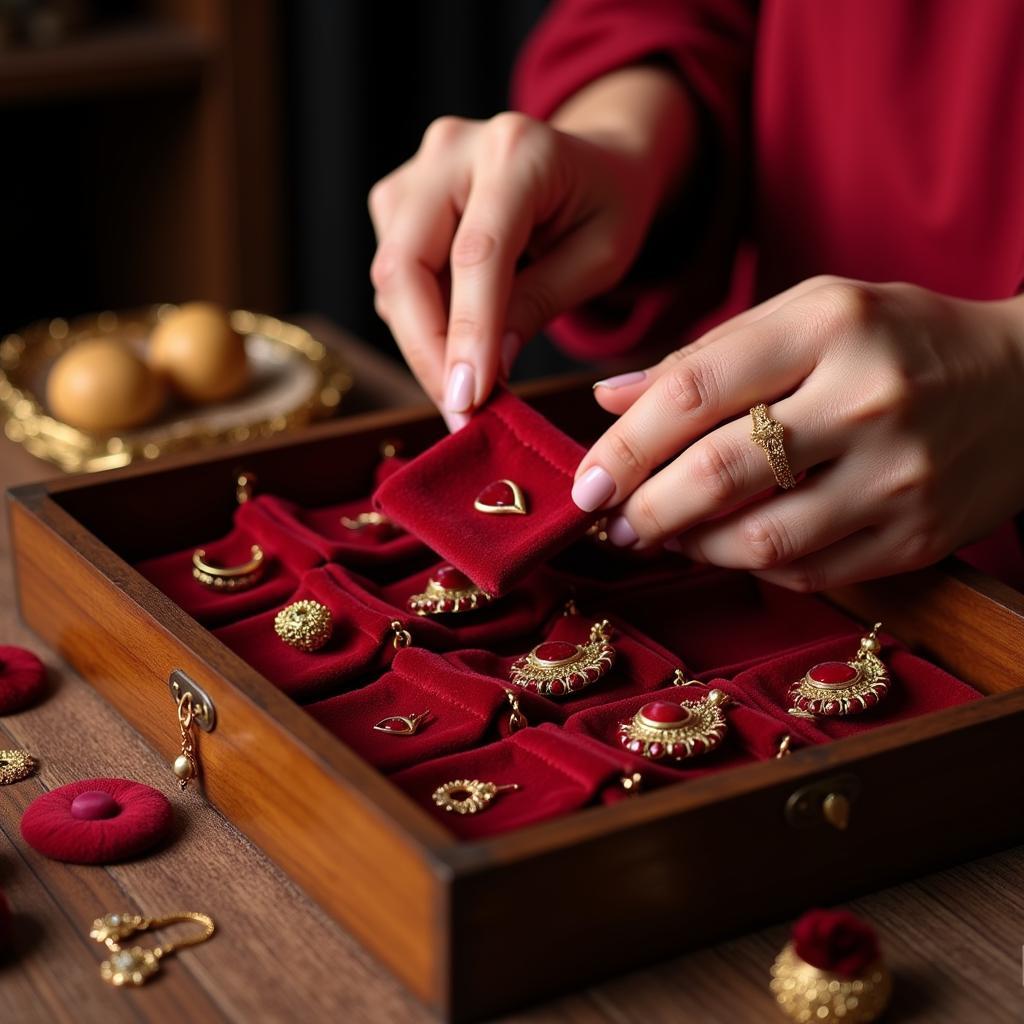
(433, 496)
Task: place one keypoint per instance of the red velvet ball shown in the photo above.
(22, 679)
(836, 941)
(96, 833)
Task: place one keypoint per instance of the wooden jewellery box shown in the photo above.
(473, 921)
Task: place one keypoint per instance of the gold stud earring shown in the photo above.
(837, 688)
(305, 625)
(15, 765)
(468, 796)
(501, 498)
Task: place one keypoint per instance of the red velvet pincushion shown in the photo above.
(22, 679)
(433, 496)
(97, 821)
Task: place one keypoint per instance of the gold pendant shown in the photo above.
(837, 688)
(557, 668)
(448, 591)
(402, 725)
(237, 577)
(468, 796)
(15, 765)
(664, 728)
(501, 498)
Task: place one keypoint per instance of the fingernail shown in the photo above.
(455, 420)
(461, 388)
(510, 345)
(622, 380)
(621, 534)
(593, 489)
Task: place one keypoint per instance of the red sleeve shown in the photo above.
(683, 271)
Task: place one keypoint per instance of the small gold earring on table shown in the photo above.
(136, 965)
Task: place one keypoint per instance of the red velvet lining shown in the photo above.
(433, 495)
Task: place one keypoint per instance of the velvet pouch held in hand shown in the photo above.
(433, 496)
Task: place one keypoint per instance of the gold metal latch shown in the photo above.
(826, 802)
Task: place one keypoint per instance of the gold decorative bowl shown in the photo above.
(295, 379)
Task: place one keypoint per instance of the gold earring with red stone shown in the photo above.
(837, 688)
(558, 668)
(448, 591)
(676, 729)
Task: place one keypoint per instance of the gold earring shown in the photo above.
(136, 965)
(836, 688)
(402, 725)
(501, 498)
(15, 765)
(516, 720)
(236, 577)
(663, 728)
(557, 668)
(448, 591)
(468, 796)
(305, 625)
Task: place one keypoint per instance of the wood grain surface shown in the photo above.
(955, 939)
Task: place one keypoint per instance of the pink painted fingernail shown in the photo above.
(593, 489)
(510, 345)
(622, 380)
(620, 533)
(461, 388)
(455, 420)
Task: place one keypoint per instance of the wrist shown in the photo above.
(645, 117)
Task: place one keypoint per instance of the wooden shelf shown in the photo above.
(111, 60)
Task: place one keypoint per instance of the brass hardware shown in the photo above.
(245, 484)
(401, 637)
(632, 783)
(826, 802)
(203, 712)
(516, 720)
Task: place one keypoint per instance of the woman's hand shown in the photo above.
(575, 197)
(904, 408)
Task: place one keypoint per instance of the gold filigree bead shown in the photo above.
(15, 765)
(305, 625)
(134, 966)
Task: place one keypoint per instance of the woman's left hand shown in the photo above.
(903, 408)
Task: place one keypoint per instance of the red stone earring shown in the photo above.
(557, 668)
(501, 498)
(667, 729)
(833, 688)
(448, 590)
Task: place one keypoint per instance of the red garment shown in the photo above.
(884, 141)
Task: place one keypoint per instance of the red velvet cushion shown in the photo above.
(466, 710)
(557, 773)
(22, 679)
(916, 688)
(433, 495)
(722, 622)
(142, 820)
(640, 665)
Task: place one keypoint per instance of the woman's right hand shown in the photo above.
(454, 223)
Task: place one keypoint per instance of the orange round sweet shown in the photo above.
(200, 355)
(101, 385)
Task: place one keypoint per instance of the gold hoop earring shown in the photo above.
(235, 577)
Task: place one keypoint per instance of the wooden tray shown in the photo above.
(477, 928)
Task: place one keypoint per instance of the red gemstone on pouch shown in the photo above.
(664, 712)
(498, 494)
(833, 673)
(655, 750)
(635, 746)
(554, 650)
(451, 578)
(555, 686)
(94, 805)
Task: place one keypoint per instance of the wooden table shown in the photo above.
(955, 939)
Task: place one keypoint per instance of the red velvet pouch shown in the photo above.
(722, 622)
(640, 666)
(465, 709)
(916, 687)
(285, 559)
(752, 735)
(433, 496)
(557, 774)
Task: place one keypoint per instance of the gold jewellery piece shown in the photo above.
(666, 729)
(468, 796)
(557, 668)
(402, 725)
(501, 498)
(768, 433)
(367, 519)
(305, 625)
(833, 688)
(448, 591)
(186, 767)
(235, 577)
(517, 719)
(137, 964)
(15, 765)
